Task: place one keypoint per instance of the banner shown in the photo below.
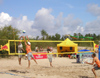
(5, 47)
(40, 56)
(87, 55)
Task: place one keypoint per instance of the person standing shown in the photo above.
(20, 50)
(29, 51)
(36, 48)
(49, 56)
(41, 49)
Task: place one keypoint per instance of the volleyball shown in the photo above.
(24, 31)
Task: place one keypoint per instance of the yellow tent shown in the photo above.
(67, 46)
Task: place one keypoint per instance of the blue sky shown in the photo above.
(29, 8)
(77, 8)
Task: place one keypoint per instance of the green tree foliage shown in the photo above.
(8, 33)
(57, 36)
(37, 37)
(44, 34)
(53, 37)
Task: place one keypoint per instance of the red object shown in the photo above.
(5, 47)
(69, 56)
(96, 46)
(40, 56)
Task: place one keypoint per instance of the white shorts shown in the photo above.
(19, 51)
(29, 55)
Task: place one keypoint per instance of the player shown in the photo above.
(96, 65)
(29, 51)
(20, 50)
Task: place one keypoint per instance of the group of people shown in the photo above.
(37, 49)
(95, 62)
(29, 51)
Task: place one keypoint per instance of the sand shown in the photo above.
(63, 68)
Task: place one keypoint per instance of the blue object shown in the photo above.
(14, 74)
(99, 53)
(85, 52)
(79, 55)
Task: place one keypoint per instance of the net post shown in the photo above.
(57, 53)
(9, 47)
(15, 47)
(99, 51)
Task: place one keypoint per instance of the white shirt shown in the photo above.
(20, 46)
(36, 48)
(50, 55)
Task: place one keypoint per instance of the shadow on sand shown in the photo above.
(16, 71)
(85, 77)
(75, 63)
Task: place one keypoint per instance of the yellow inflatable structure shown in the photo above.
(67, 46)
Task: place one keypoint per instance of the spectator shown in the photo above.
(41, 49)
(48, 49)
(36, 48)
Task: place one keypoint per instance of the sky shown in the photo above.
(54, 16)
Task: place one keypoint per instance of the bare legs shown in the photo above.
(19, 59)
(35, 61)
(93, 70)
(30, 63)
(51, 64)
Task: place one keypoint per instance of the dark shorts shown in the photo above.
(96, 68)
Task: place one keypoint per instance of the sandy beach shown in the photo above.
(63, 68)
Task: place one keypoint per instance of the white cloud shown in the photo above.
(94, 9)
(43, 20)
(24, 18)
(5, 17)
(72, 25)
(59, 20)
(21, 24)
(93, 26)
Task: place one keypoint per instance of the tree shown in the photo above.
(37, 37)
(75, 34)
(44, 34)
(57, 36)
(8, 33)
(49, 37)
(53, 37)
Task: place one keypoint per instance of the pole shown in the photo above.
(99, 51)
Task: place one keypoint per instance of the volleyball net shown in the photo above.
(12, 47)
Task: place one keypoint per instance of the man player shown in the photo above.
(20, 50)
(96, 65)
(29, 51)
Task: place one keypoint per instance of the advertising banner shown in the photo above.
(40, 56)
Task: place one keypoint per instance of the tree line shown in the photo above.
(11, 33)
